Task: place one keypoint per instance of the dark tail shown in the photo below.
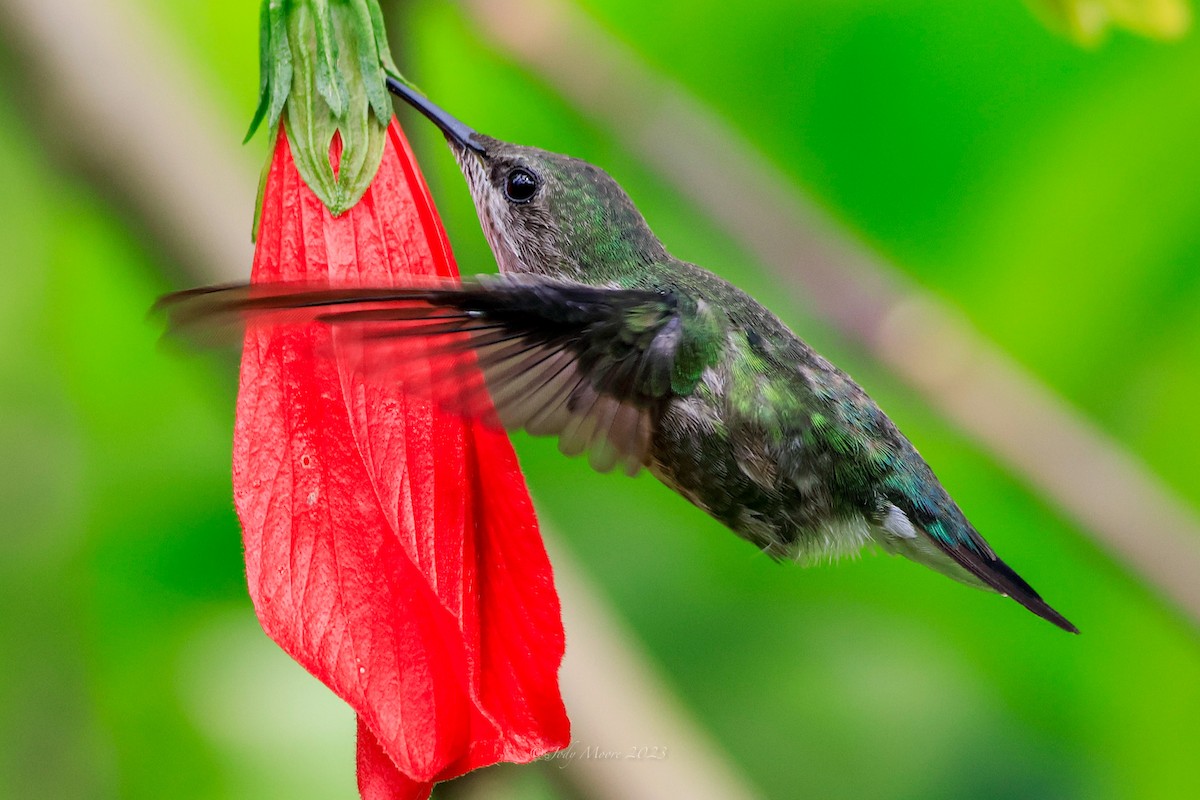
(1001, 577)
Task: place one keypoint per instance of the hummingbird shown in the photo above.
(594, 333)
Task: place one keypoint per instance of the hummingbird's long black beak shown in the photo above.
(450, 126)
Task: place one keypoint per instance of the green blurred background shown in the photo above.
(1048, 192)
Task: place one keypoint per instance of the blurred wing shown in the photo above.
(589, 365)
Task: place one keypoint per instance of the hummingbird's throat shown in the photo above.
(488, 205)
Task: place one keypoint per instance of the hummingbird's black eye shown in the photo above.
(520, 185)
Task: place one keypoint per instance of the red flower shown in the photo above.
(391, 548)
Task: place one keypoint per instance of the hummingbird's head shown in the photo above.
(544, 212)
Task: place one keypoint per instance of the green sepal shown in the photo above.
(368, 59)
(275, 64)
(330, 83)
(264, 71)
(258, 200)
(324, 66)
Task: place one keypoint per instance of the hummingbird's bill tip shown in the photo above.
(452, 127)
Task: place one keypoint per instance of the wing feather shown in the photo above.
(590, 365)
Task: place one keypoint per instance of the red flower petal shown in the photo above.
(378, 778)
(390, 548)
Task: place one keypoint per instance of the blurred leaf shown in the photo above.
(1087, 21)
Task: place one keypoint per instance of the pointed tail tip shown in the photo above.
(1050, 615)
(1004, 580)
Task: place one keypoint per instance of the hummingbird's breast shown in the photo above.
(762, 484)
